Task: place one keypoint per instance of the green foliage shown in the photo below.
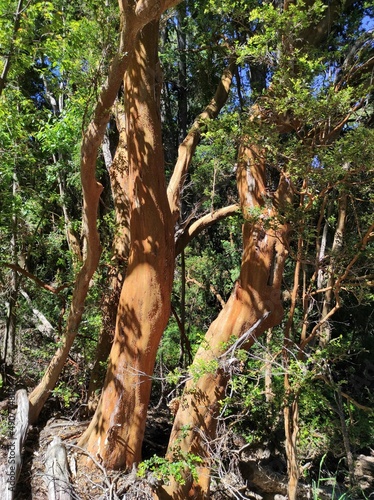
(4, 426)
(163, 469)
(65, 394)
(203, 367)
(316, 127)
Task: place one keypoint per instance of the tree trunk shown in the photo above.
(19, 425)
(109, 306)
(291, 405)
(254, 306)
(92, 189)
(325, 333)
(116, 431)
(291, 428)
(118, 170)
(11, 320)
(269, 394)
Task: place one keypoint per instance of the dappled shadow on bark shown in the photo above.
(117, 429)
(253, 307)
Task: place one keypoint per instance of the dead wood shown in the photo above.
(9, 473)
(57, 473)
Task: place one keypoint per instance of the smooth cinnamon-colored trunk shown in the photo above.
(116, 431)
(254, 306)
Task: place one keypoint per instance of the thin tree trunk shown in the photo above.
(92, 189)
(254, 306)
(11, 320)
(325, 333)
(109, 306)
(291, 427)
(345, 435)
(291, 406)
(269, 394)
(118, 170)
(71, 237)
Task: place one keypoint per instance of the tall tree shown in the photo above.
(281, 114)
(117, 428)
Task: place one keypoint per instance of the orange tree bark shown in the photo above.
(91, 195)
(133, 19)
(116, 431)
(254, 306)
(117, 428)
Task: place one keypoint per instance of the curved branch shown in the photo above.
(188, 146)
(91, 190)
(35, 279)
(148, 10)
(203, 223)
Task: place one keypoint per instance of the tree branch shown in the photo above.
(203, 223)
(39, 282)
(188, 146)
(215, 292)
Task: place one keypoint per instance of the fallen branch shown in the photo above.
(10, 473)
(57, 474)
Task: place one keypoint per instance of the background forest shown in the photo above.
(267, 123)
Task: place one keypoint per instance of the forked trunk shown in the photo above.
(116, 431)
(254, 306)
(91, 194)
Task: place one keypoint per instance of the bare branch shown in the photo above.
(39, 282)
(203, 223)
(188, 146)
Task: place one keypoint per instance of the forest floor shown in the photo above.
(254, 473)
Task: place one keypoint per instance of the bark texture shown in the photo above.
(133, 19)
(254, 306)
(118, 169)
(9, 474)
(116, 431)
